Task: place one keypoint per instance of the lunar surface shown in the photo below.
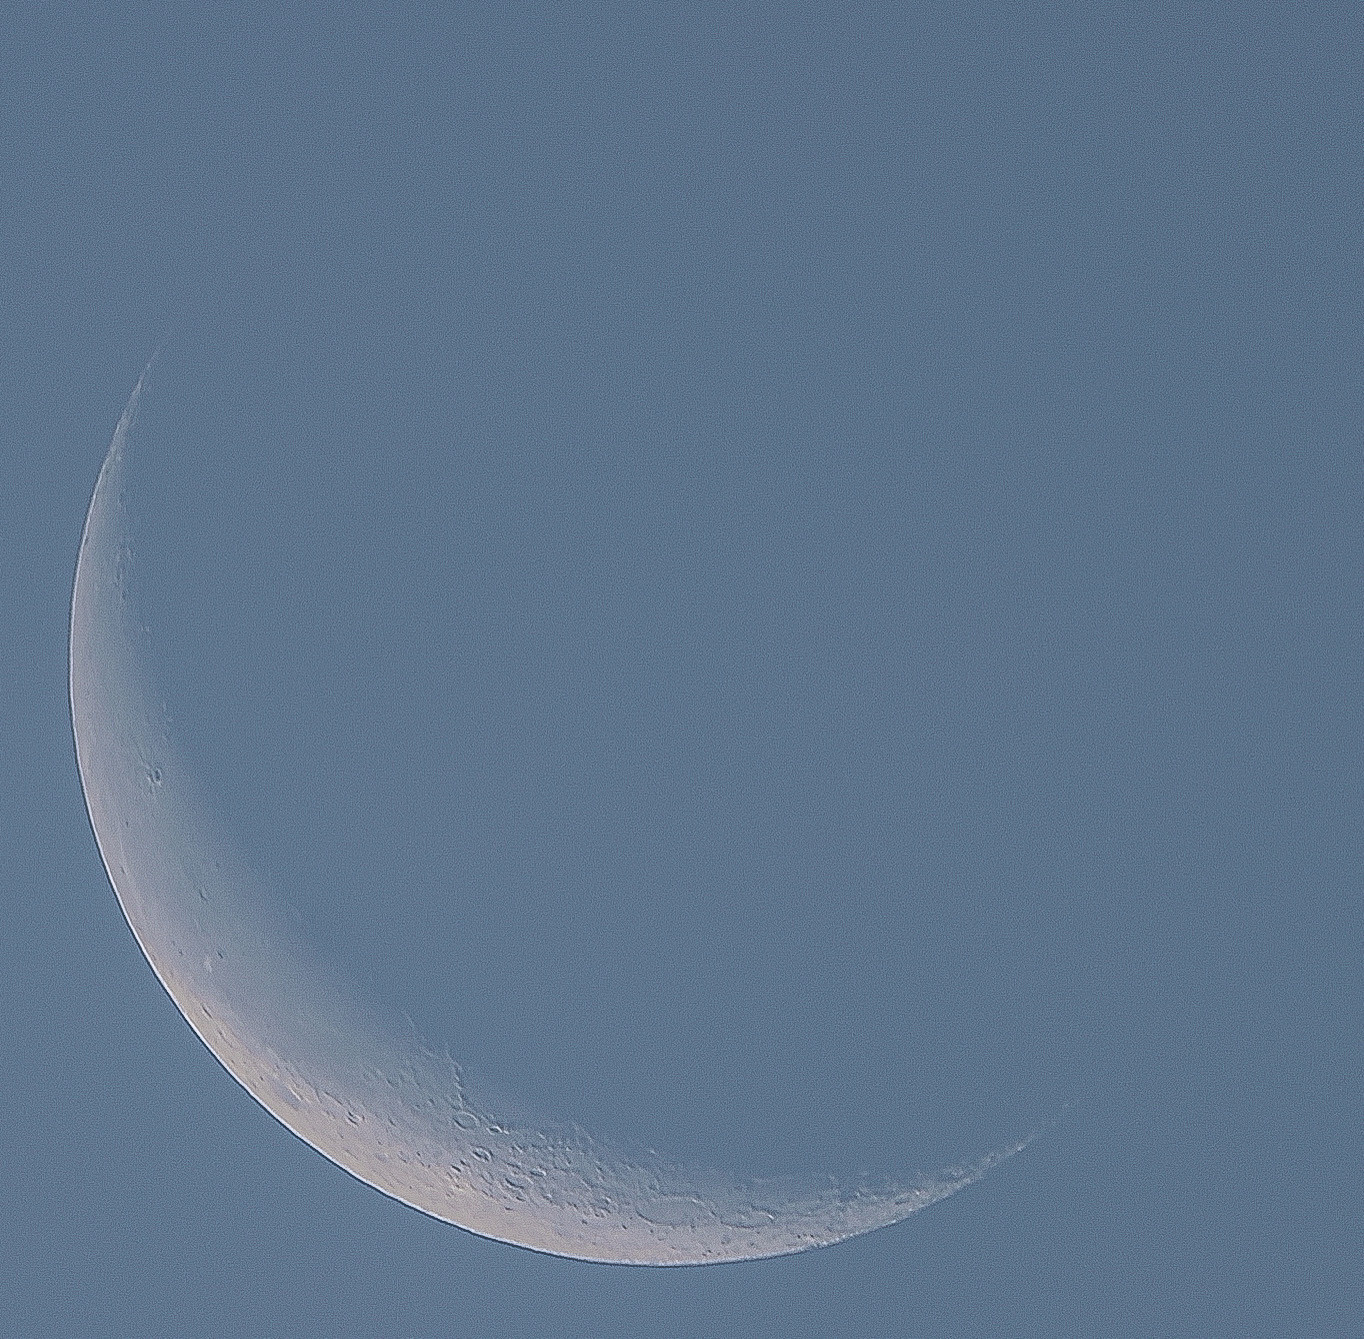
(362, 1088)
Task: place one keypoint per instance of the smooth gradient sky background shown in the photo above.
(786, 579)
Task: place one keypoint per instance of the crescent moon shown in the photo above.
(359, 1087)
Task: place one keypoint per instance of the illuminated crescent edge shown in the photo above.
(358, 1087)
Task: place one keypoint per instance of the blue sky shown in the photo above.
(786, 579)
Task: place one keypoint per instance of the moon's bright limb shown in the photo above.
(362, 1090)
